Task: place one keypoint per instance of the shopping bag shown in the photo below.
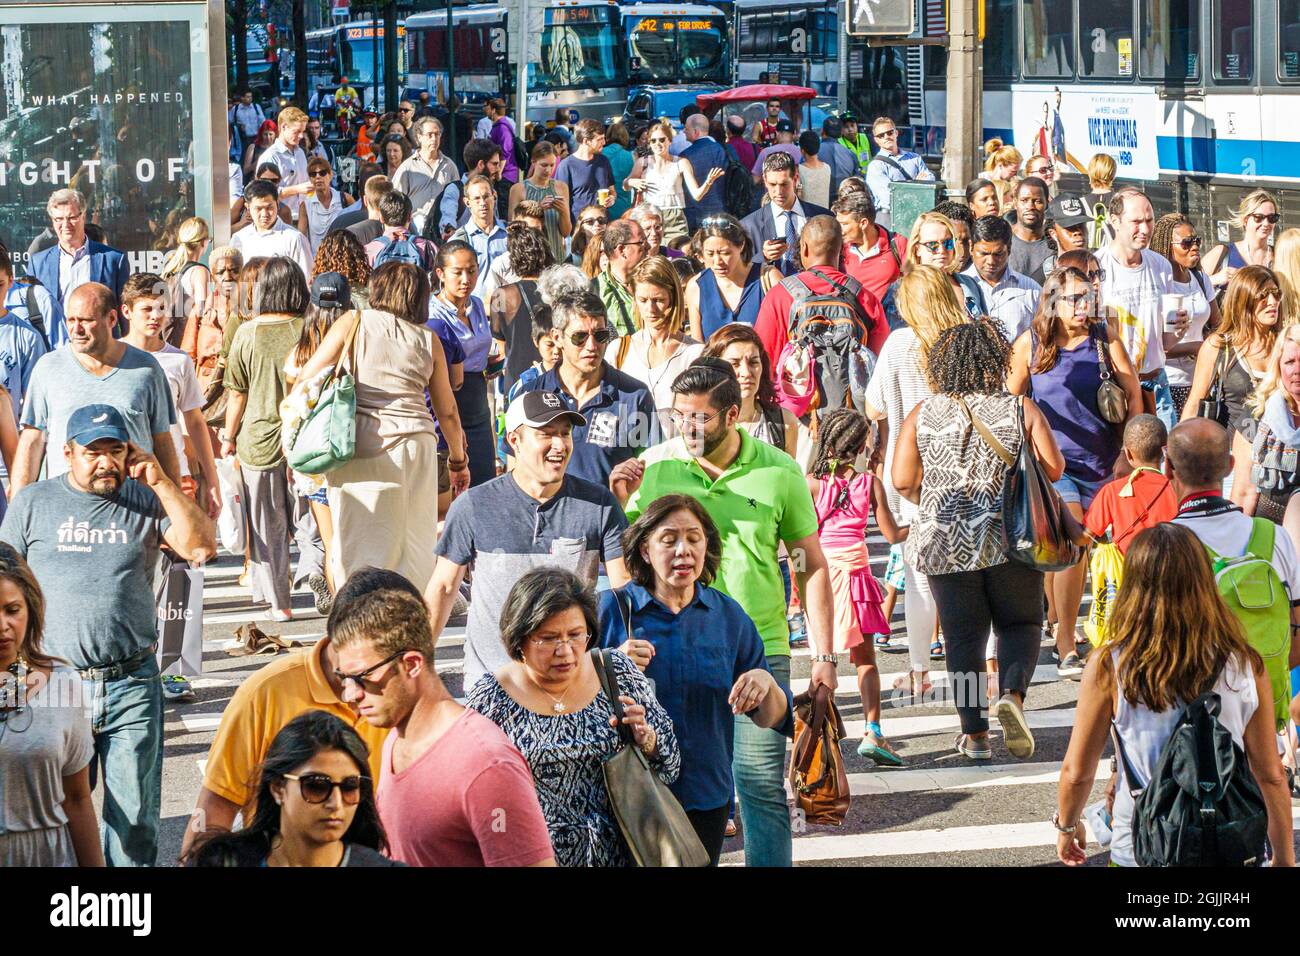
(1107, 567)
(230, 523)
(180, 619)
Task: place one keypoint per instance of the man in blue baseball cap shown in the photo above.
(92, 537)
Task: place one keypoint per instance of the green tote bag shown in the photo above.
(327, 438)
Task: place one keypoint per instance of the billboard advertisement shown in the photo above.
(117, 102)
(1083, 120)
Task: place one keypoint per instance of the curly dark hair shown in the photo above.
(842, 435)
(529, 251)
(970, 359)
(340, 251)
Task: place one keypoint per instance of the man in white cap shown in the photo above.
(535, 515)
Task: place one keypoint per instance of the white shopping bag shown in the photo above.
(180, 620)
(230, 523)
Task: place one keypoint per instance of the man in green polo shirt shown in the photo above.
(758, 498)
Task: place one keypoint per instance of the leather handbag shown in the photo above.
(655, 828)
(327, 437)
(817, 776)
(1112, 402)
(1038, 529)
(1213, 406)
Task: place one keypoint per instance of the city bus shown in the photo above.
(352, 50)
(779, 41)
(676, 44)
(479, 47)
(1190, 97)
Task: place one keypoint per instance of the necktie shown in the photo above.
(790, 259)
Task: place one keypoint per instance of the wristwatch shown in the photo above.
(222, 436)
(825, 658)
(1056, 822)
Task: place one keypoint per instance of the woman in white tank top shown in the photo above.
(1144, 677)
(322, 206)
(660, 178)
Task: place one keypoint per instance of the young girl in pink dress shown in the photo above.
(844, 500)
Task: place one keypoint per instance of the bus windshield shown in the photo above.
(360, 48)
(579, 49)
(678, 49)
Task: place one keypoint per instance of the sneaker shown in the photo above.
(176, 688)
(1070, 667)
(282, 617)
(320, 590)
(1015, 729)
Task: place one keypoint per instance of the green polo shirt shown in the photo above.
(620, 308)
(760, 501)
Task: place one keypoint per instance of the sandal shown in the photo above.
(936, 650)
(730, 829)
(963, 746)
(877, 749)
(910, 678)
(882, 640)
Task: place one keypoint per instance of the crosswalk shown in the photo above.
(938, 809)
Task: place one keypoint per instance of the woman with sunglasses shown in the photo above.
(322, 205)
(933, 242)
(315, 804)
(548, 700)
(45, 740)
(1257, 217)
(1175, 238)
(1232, 361)
(1061, 359)
(592, 222)
(660, 179)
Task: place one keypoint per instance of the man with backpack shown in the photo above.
(819, 319)
(21, 346)
(872, 254)
(396, 243)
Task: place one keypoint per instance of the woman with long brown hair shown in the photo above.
(1170, 639)
(1233, 361)
(761, 415)
(45, 740)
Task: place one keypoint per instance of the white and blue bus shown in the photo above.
(1190, 97)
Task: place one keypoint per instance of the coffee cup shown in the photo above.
(1171, 304)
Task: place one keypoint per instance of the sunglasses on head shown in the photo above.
(602, 336)
(1271, 218)
(1191, 242)
(317, 787)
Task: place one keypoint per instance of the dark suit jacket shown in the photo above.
(705, 155)
(762, 229)
(108, 266)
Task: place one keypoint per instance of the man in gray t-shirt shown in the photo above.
(92, 537)
(93, 367)
(536, 515)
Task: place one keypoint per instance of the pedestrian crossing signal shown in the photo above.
(881, 17)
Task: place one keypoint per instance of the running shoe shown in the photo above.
(177, 689)
(1015, 729)
(1070, 667)
(320, 591)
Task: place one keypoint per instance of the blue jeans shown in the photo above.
(758, 764)
(127, 721)
(1165, 410)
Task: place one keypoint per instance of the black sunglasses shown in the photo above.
(317, 787)
(1270, 218)
(359, 678)
(1191, 242)
(602, 337)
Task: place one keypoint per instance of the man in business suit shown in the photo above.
(704, 154)
(74, 260)
(774, 229)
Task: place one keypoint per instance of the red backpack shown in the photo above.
(826, 331)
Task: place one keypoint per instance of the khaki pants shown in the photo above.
(385, 511)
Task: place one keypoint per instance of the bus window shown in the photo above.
(1234, 38)
(580, 49)
(1000, 40)
(1106, 38)
(826, 35)
(1288, 40)
(1171, 40)
(1049, 38)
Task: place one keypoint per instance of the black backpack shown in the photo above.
(1202, 806)
(430, 230)
(34, 317)
(737, 190)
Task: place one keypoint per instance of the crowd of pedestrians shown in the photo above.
(599, 404)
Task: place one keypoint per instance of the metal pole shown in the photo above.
(451, 83)
(845, 39)
(965, 119)
(374, 59)
(521, 73)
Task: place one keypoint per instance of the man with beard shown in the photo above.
(1029, 246)
(92, 537)
(534, 515)
(94, 367)
(758, 498)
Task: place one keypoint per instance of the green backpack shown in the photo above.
(1254, 592)
(327, 437)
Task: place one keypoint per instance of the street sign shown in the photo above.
(874, 18)
(341, 9)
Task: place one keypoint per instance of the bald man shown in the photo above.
(95, 369)
(705, 154)
(819, 251)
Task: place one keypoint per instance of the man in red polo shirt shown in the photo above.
(819, 251)
(872, 254)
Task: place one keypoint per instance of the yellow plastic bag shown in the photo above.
(1107, 568)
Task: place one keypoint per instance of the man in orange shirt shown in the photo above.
(367, 135)
(1141, 499)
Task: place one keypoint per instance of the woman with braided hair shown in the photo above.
(1175, 238)
(845, 500)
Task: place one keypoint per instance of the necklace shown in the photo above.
(557, 703)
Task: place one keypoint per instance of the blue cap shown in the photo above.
(90, 423)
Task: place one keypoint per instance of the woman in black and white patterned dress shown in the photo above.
(944, 466)
(549, 702)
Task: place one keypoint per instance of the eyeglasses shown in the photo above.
(65, 220)
(1191, 242)
(361, 677)
(553, 643)
(602, 337)
(593, 222)
(947, 245)
(1096, 275)
(1271, 218)
(633, 242)
(1075, 298)
(317, 787)
(886, 133)
(695, 421)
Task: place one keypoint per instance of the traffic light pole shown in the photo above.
(965, 119)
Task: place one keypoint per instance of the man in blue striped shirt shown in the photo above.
(891, 165)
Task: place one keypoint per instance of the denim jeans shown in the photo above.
(127, 722)
(758, 764)
(1165, 410)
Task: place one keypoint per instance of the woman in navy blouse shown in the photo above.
(699, 649)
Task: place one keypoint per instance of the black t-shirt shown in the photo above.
(516, 330)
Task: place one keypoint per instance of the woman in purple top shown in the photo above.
(1060, 359)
